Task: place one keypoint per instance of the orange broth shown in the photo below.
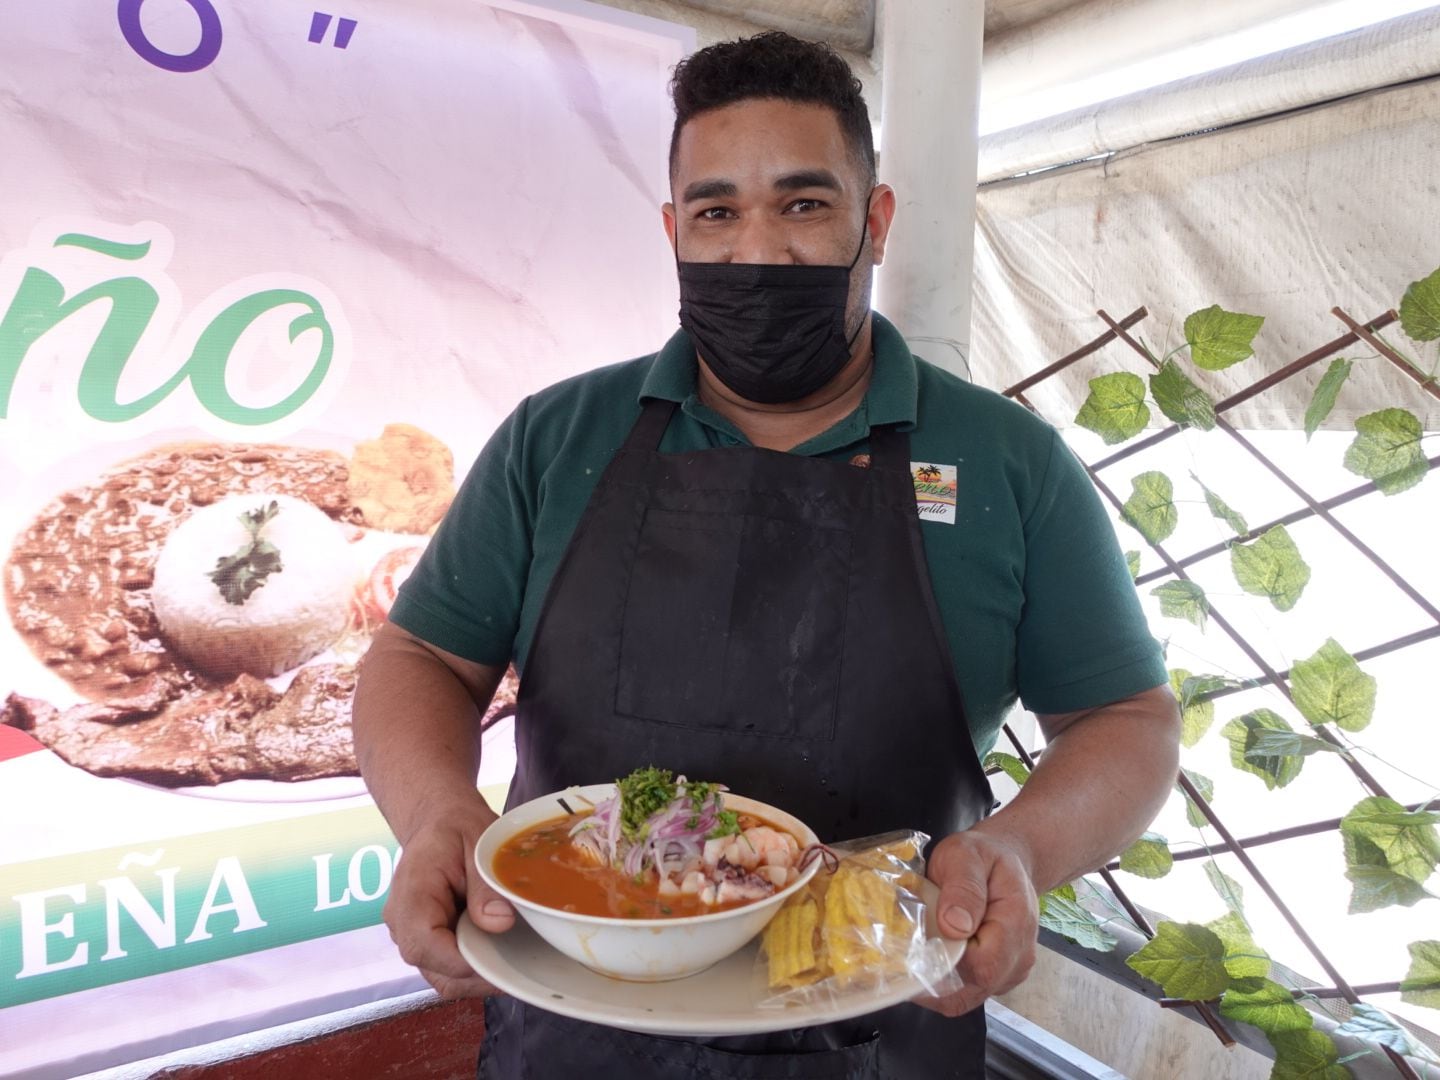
(541, 864)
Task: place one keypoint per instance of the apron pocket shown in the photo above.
(735, 623)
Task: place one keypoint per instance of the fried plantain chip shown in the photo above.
(790, 945)
(848, 925)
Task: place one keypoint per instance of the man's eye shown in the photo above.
(803, 206)
(713, 213)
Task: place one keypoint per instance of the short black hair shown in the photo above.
(773, 65)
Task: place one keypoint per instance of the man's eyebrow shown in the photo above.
(796, 181)
(808, 178)
(710, 189)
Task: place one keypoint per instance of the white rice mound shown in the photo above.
(299, 610)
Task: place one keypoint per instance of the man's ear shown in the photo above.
(880, 217)
(667, 213)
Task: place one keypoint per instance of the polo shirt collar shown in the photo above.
(894, 393)
(892, 397)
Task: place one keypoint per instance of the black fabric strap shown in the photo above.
(889, 448)
(655, 417)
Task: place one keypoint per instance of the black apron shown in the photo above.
(765, 620)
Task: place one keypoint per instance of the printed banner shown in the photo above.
(80, 921)
(269, 278)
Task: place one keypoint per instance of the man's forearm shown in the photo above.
(417, 729)
(1100, 782)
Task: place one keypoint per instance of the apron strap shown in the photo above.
(655, 417)
(889, 448)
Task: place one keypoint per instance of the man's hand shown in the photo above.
(435, 877)
(1104, 775)
(986, 896)
(417, 737)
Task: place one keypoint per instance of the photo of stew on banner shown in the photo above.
(264, 295)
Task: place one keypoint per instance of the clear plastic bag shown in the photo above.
(858, 928)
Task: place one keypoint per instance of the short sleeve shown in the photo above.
(466, 592)
(1082, 640)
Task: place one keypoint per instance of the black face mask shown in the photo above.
(771, 333)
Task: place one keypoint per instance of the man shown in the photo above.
(710, 560)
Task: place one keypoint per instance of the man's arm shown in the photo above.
(416, 723)
(1103, 777)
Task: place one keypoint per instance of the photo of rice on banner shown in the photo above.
(196, 611)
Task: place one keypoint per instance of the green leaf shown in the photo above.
(1180, 399)
(1267, 744)
(1271, 566)
(1227, 887)
(1062, 892)
(1323, 400)
(1148, 857)
(1243, 958)
(1196, 716)
(1115, 409)
(1206, 787)
(1219, 338)
(1221, 510)
(1276, 770)
(1387, 450)
(1407, 839)
(1064, 915)
(1329, 687)
(1421, 985)
(1306, 1055)
(1371, 1025)
(1420, 308)
(1151, 506)
(1193, 687)
(1132, 561)
(1183, 600)
(1266, 1005)
(1373, 884)
(1186, 960)
(1010, 765)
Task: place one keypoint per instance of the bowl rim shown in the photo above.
(589, 791)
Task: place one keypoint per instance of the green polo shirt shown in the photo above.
(1032, 587)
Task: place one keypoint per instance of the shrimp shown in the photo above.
(763, 858)
(769, 847)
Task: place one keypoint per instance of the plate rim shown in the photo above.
(474, 945)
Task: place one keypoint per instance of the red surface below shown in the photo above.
(15, 743)
(440, 1041)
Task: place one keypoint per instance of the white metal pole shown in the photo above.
(930, 79)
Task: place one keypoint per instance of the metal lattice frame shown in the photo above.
(1175, 566)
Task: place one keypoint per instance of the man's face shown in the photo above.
(769, 181)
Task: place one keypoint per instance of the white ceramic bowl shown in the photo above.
(638, 950)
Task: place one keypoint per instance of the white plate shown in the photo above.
(720, 1001)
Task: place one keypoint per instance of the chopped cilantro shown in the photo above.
(643, 793)
(727, 825)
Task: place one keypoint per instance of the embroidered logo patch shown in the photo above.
(935, 487)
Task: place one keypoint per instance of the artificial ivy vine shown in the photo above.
(1390, 852)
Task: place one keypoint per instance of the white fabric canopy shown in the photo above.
(1285, 218)
(1385, 54)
